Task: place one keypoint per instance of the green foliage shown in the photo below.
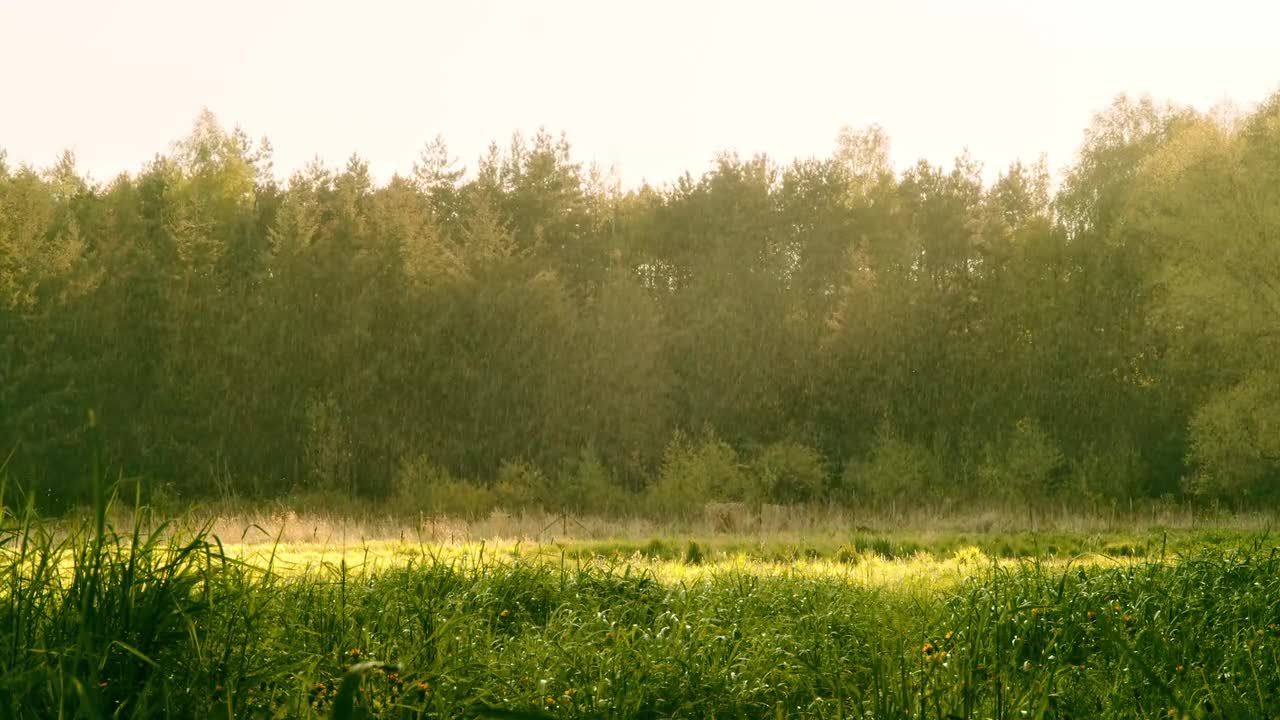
(1235, 440)
(897, 471)
(459, 498)
(519, 485)
(697, 472)
(238, 334)
(1023, 466)
(1107, 472)
(330, 459)
(423, 486)
(586, 485)
(789, 472)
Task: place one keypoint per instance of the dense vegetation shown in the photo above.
(143, 626)
(529, 332)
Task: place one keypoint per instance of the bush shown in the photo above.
(789, 472)
(422, 486)
(695, 473)
(1109, 473)
(520, 485)
(1235, 440)
(897, 470)
(459, 498)
(1023, 466)
(587, 486)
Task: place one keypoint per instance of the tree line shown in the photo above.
(528, 331)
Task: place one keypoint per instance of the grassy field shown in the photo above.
(298, 620)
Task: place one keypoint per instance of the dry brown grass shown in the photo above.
(242, 523)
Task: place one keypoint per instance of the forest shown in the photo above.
(524, 331)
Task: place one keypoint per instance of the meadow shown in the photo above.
(124, 614)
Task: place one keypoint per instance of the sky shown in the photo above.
(654, 88)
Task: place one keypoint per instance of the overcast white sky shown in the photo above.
(656, 87)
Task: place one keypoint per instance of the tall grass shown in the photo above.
(147, 621)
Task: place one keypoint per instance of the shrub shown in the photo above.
(520, 485)
(789, 472)
(1021, 467)
(587, 486)
(1235, 440)
(422, 486)
(896, 470)
(1112, 472)
(695, 473)
(459, 498)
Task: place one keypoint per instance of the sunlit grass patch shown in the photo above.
(920, 570)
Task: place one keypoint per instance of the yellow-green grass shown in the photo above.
(922, 569)
(153, 621)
